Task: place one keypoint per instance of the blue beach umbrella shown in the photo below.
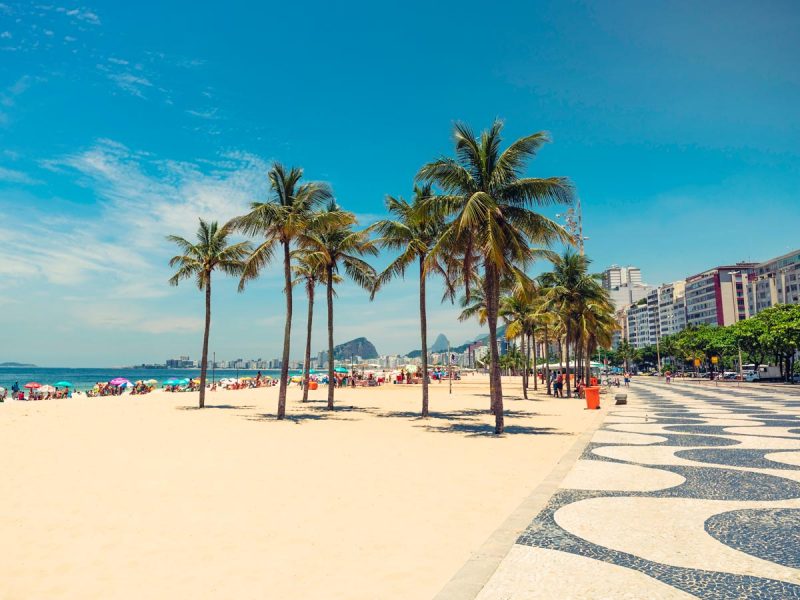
(341, 370)
(64, 384)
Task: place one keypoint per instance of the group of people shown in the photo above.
(36, 394)
(105, 389)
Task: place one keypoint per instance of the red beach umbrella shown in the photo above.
(32, 385)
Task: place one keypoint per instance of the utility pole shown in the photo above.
(573, 219)
(450, 367)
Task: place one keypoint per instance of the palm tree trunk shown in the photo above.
(495, 381)
(423, 325)
(287, 332)
(525, 368)
(566, 359)
(547, 362)
(532, 346)
(329, 293)
(204, 357)
(306, 365)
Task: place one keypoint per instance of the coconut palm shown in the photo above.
(198, 261)
(279, 220)
(569, 289)
(412, 231)
(489, 203)
(336, 245)
(309, 272)
(516, 310)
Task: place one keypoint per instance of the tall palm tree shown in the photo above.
(489, 203)
(336, 245)
(280, 220)
(310, 272)
(570, 288)
(198, 261)
(412, 231)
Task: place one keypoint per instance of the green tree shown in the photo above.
(310, 272)
(280, 220)
(198, 261)
(413, 231)
(488, 202)
(570, 289)
(336, 245)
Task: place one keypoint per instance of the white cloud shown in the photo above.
(133, 84)
(118, 61)
(121, 251)
(6, 35)
(12, 176)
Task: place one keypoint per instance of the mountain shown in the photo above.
(441, 344)
(16, 365)
(358, 347)
(501, 332)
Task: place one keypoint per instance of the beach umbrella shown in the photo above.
(47, 388)
(151, 381)
(32, 385)
(340, 370)
(183, 382)
(171, 382)
(119, 381)
(64, 384)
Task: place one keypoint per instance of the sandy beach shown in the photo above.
(148, 497)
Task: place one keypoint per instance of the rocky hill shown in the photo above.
(358, 347)
(441, 344)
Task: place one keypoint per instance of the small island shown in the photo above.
(16, 365)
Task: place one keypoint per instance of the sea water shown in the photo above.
(84, 379)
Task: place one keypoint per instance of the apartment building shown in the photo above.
(716, 296)
(671, 308)
(775, 281)
(639, 319)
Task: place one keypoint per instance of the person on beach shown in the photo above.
(558, 385)
(627, 379)
(668, 376)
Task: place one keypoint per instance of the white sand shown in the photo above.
(136, 497)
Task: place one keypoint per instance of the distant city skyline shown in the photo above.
(677, 123)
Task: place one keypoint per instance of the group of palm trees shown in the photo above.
(471, 221)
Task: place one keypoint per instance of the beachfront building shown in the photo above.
(640, 329)
(775, 281)
(624, 285)
(716, 296)
(671, 308)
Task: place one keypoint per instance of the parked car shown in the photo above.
(751, 377)
(796, 378)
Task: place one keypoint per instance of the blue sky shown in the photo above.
(122, 122)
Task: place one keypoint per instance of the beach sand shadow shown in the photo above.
(217, 407)
(487, 430)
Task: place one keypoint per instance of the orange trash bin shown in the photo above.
(312, 385)
(592, 397)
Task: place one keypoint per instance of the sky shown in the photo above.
(122, 122)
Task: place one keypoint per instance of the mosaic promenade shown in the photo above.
(688, 491)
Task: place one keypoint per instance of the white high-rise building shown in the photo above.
(672, 308)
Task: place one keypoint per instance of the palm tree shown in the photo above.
(413, 231)
(515, 310)
(310, 273)
(336, 244)
(279, 220)
(570, 288)
(212, 251)
(489, 204)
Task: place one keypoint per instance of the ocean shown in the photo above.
(84, 379)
